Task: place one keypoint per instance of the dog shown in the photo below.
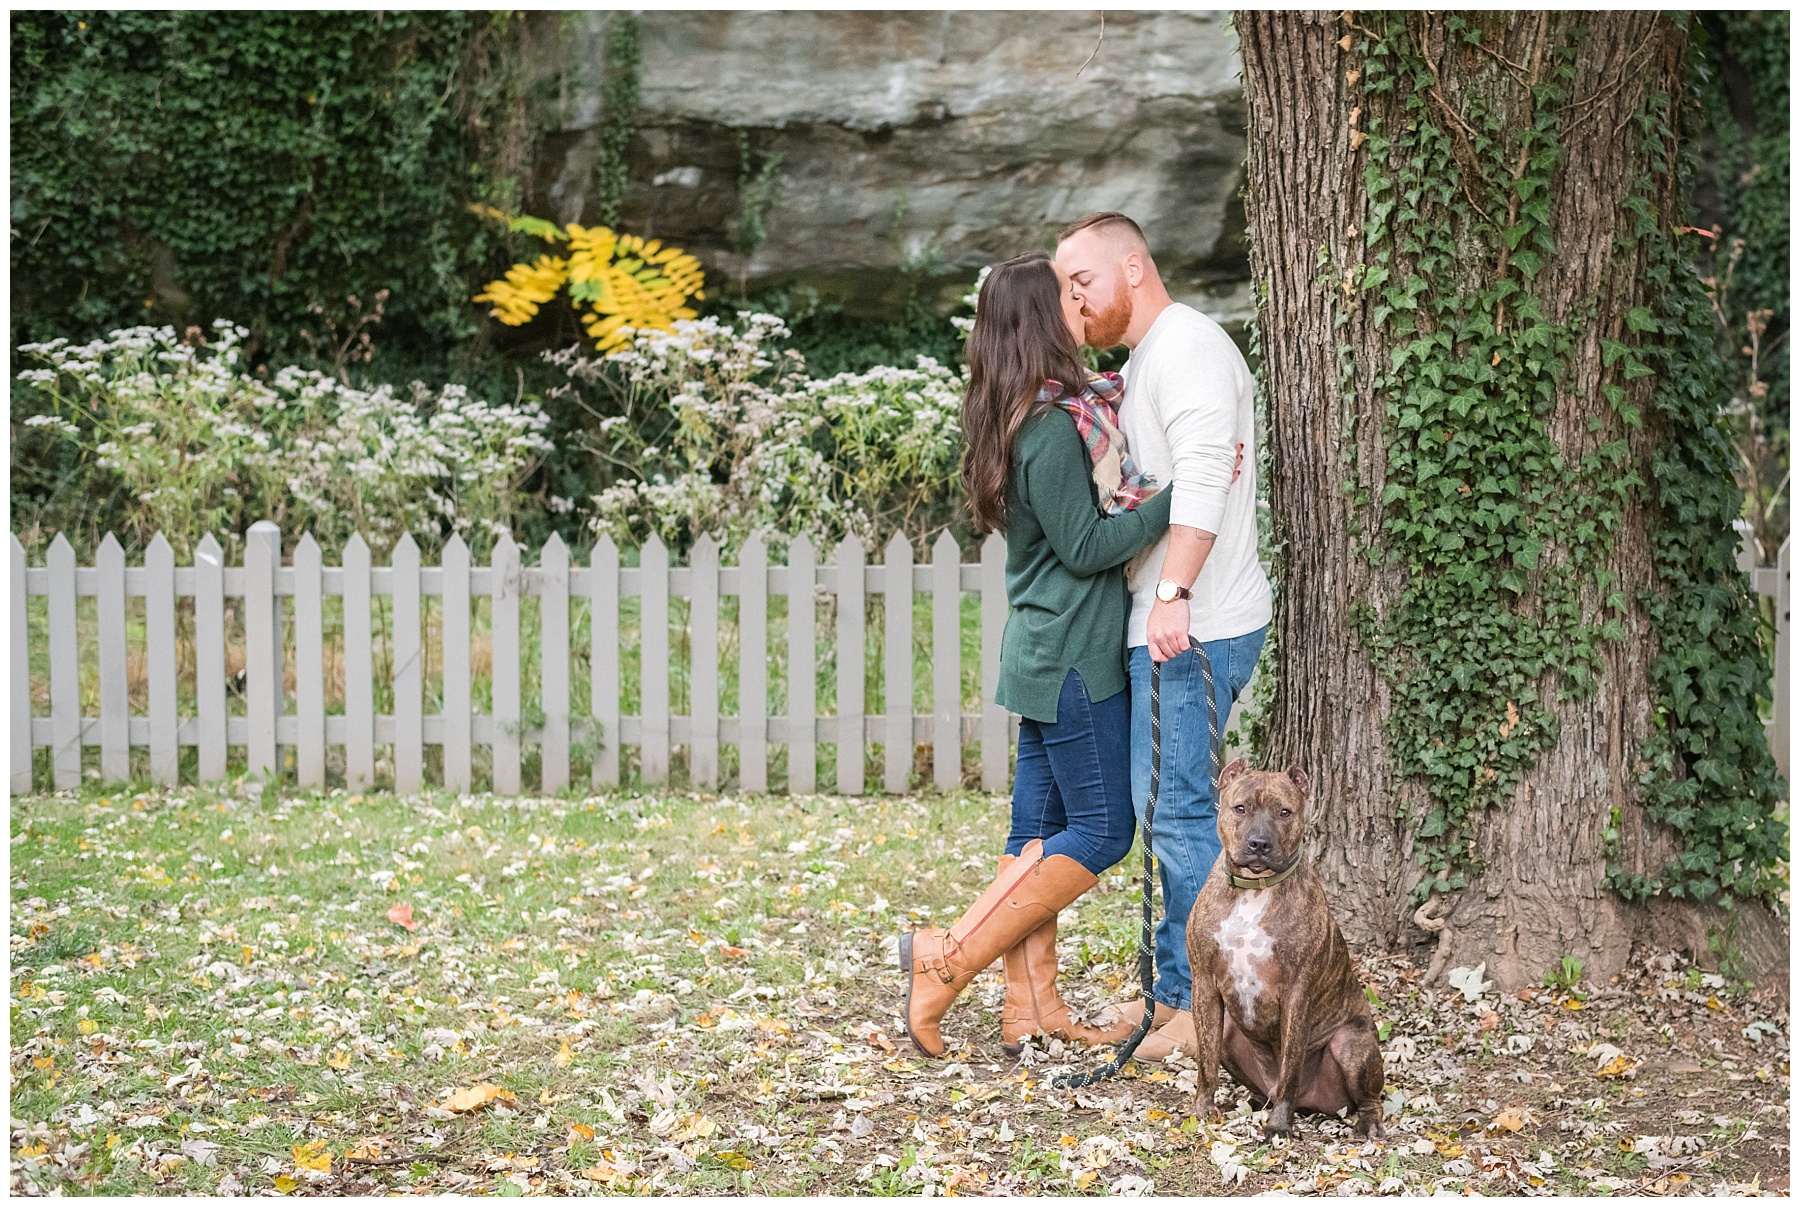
(1277, 998)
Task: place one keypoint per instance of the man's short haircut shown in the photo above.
(1109, 222)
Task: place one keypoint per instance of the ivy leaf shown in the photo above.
(1639, 318)
(1529, 552)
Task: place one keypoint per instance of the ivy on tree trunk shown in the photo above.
(1463, 232)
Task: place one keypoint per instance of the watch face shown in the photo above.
(1165, 591)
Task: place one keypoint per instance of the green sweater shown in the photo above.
(1069, 600)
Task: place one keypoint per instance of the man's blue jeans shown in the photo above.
(1185, 833)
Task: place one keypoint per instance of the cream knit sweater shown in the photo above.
(1189, 402)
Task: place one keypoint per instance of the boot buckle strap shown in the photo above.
(933, 964)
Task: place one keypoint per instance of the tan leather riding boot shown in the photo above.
(939, 964)
(1033, 1006)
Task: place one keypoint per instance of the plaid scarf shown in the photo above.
(1121, 485)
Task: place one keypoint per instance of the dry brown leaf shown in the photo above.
(401, 915)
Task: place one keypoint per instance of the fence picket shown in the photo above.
(409, 667)
(260, 732)
(802, 677)
(897, 570)
(1779, 735)
(21, 673)
(553, 666)
(209, 655)
(994, 728)
(65, 674)
(946, 662)
(850, 668)
(508, 584)
(603, 661)
(359, 668)
(159, 660)
(262, 654)
(753, 665)
(115, 700)
(458, 706)
(653, 750)
(309, 662)
(703, 652)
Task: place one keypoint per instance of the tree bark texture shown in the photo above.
(1540, 893)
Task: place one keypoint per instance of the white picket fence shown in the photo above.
(267, 725)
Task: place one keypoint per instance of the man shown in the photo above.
(1188, 409)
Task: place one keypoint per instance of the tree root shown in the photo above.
(1439, 926)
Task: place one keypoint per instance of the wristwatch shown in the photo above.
(1168, 590)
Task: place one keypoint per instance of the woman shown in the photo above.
(1046, 464)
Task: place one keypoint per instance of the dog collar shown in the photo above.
(1260, 882)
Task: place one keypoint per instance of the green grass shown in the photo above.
(677, 993)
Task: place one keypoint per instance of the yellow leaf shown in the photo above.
(43, 1062)
(1571, 1003)
(610, 1173)
(1510, 1121)
(339, 1059)
(88, 1026)
(564, 1058)
(285, 1184)
(580, 1131)
(1085, 1179)
(312, 1155)
(1618, 1066)
(733, 1158)
(476, 1097)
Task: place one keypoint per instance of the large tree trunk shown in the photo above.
(1539, 892)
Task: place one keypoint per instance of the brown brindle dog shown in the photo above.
(1276, 996)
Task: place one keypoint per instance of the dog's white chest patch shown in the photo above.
(1244, 943)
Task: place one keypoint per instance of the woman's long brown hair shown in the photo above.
(1019, 342)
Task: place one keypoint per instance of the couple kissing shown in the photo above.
(1129, 512)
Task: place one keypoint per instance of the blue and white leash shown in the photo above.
(1147, 935)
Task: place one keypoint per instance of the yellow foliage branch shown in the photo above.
(625, 282)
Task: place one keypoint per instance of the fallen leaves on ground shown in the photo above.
(690, 994)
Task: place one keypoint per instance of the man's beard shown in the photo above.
(1107, 328)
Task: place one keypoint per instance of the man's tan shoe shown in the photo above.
(1171, 1032)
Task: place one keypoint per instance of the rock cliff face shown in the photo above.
(909, 141)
